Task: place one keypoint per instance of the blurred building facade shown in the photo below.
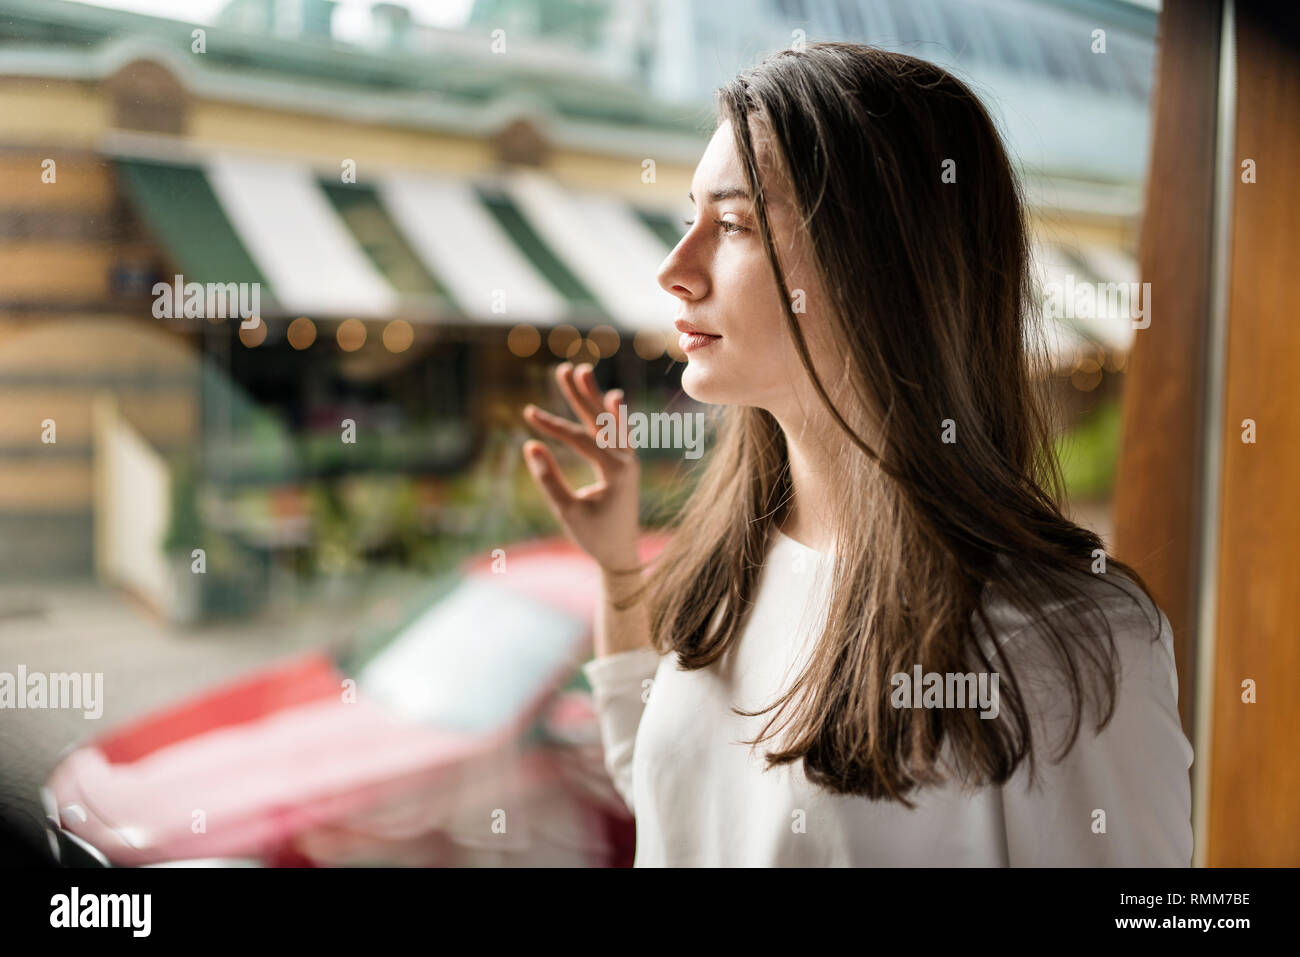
(432, 216)
(428, 222)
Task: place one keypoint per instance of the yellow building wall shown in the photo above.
(82, 180)
(622, 176)
(326, 142)
(58, 270)
(63, 113)
(67, 114)
(52, 369)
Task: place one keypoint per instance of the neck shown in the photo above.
(813, 443)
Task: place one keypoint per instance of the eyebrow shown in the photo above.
(726, 192)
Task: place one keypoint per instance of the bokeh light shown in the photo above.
(562, 339)
(301, 333)
(255, 336)
(604, 341)
(398, 335)
(648, 344)
(524, 341)
(351, 335)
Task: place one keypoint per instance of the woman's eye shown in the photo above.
(727, 227)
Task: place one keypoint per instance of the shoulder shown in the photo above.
(1098, 643)
(1108, 784)
(1075, 605)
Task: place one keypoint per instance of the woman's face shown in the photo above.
(725, 287)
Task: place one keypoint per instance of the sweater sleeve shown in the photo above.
(617, 683)
(1121, 798)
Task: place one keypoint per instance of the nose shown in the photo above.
(681, 276)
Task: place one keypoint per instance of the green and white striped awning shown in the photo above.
(510, 249)
(502, 250)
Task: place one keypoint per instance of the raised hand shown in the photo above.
(601, 518)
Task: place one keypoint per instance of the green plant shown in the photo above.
(186, 528)
(1089, 453)
(184, 524)
(234, 575)
(335, 548)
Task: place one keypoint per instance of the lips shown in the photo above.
(691, 341)
(693, 337)
(681, 325)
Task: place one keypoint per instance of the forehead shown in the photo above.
(720, 165)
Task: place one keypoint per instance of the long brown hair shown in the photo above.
(930, 295)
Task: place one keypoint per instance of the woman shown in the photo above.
(873, 639)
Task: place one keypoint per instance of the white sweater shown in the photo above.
(1121, 798)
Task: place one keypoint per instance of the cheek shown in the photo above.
(757, 363)
(764, 345)
(753, 308)
(752, 364)
(810, 305)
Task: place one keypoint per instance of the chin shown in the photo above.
(709, 386)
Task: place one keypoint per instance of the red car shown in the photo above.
(451, 741)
